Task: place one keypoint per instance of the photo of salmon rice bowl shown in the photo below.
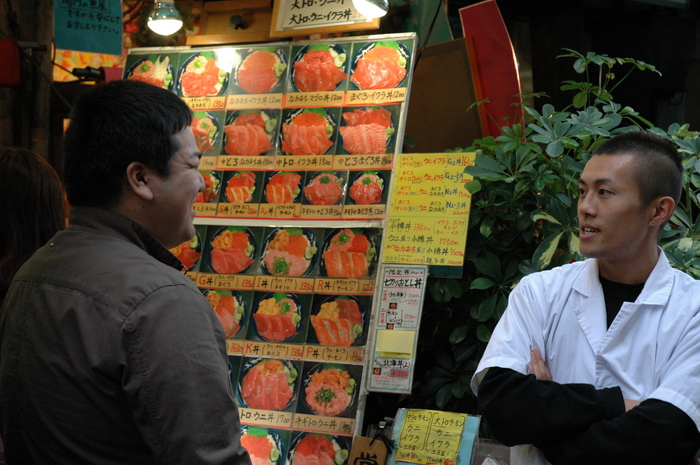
(205, 127)
(367, 188)
(212, 184)
(380, 65)
(367, 131)
(308, 132)
(231, 250)
(261, 70)
(201, 76)
(283, 187)
(189, 252)
(289, 252)
(347, 253)
(318, 449)
(268, 384)
(277, 317)
(240, 187)
(230, 308)
(329, 389)
(154, 69)
(319, 68)
(325, 188)
(264, 445)
(338, 321)
(249, 132)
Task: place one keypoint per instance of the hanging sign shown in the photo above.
(317, 16)
(88, 25)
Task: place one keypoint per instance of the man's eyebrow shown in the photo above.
(597, 181)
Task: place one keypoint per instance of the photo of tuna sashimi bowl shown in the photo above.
(267, 384)
(212, 185)
(249, 132)
(277, 317)
(264, 445)
(318, 449)
(309, 131)
(201, 76)
(289, 252)
(231, 250)
(325, 188)
(367, 188)
(189, 252)
(338, 321)
(230, 307)
(329, 390)
(261, 70)
(380, 65)
(348, 253)
(205, 127)
(154, 69)
(367, 131)
(319, 68)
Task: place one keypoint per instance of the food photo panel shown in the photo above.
(339, 320)
(280, 317)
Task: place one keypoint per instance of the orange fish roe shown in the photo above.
(270, 367)
(309, 118)
(262, 60)
(297, 245)
(382, 52)
(231, 240)
(331, 377)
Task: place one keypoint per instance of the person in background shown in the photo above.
(32, 209)
(596, 362)
(108, 353)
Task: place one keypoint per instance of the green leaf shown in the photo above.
(545, 251)
(542, 215)
(482, 283)
(443, 396)
(458, 334)
(483, 333)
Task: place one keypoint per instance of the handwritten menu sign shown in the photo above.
(88, 25)
(429, 210)
(430, 437)
(296, 14)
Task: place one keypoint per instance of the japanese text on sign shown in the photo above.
(430, 436)
(316, 13)
(429, 211)
(88, 25)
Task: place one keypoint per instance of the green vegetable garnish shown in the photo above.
(280, 266)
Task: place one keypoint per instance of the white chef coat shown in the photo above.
(651, 350)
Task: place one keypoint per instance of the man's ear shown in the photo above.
(663, 210)
(137, 177)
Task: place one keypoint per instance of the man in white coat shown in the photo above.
(598, 361)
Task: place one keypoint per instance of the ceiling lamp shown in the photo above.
(164, 19)
(371, 8)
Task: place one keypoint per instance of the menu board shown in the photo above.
(298, 142)
(429, 212)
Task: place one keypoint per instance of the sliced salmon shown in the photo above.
(367, 189)
(275, 328)
(230, 261)
(305, 140)
(317, 72)
(364, 139)
(246, 139)
(325, 189)
(265, 391)
(282, 187)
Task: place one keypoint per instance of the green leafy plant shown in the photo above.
(524, 213)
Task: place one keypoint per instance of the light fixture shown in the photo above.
(164, 19)
(371, 8)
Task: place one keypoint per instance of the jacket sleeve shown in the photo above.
(519, 409)
(178, 380)
(578, 424)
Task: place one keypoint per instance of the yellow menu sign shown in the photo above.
(430, 437)
(429, 210)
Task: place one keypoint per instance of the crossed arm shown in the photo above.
(578, 424)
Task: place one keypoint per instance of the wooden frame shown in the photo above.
(277, 32)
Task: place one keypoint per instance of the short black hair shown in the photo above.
(113, 125)
(658, 169)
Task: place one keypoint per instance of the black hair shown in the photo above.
(658, 170)
(113, 125)
(32, 210)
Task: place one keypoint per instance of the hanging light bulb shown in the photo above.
(371, 8)
(164, 19)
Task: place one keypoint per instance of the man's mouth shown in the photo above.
(590, 230)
